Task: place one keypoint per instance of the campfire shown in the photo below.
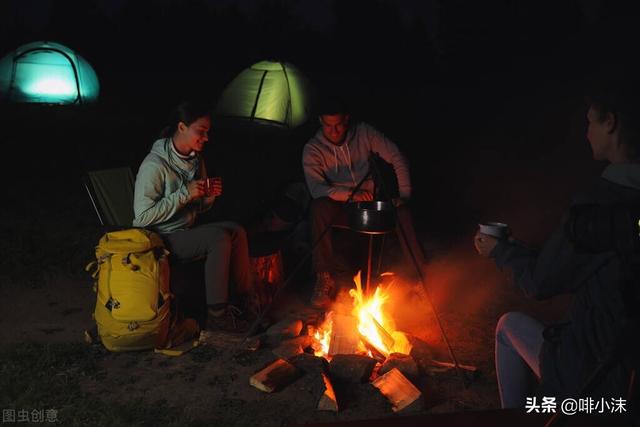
(353, 343)
(368, 330)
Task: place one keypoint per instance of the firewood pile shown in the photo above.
(398, 377)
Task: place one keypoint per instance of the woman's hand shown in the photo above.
(484, 243)
(213, 187)
(196, 189)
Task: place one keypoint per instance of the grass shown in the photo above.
(37, 376)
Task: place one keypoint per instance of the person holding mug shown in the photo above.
(556, 361)
(171, 189)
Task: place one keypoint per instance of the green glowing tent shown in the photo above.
(268, 92)
(47, 72)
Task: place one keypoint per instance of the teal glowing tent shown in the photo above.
(47, 72)
(267, 92)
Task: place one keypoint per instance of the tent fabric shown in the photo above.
(47, 72)
(270, 92)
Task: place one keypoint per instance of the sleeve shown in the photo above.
(554, 270)
(150, 205)
(314, 167)
(391, 154)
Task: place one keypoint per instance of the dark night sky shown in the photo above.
(500, 79)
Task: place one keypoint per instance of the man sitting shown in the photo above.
(335, 160)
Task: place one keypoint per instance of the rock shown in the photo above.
(287, 349)
(403, 363)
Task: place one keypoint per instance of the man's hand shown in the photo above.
(362, 196)
(484, 243)
(196, 189)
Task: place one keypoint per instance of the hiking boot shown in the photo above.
(228, 319)
(321, 296)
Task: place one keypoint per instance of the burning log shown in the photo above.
(328, 401)
(375, 353)
(351, 367)
(344, 335)
(398, 389)
(275, 376)
(405, 364)
(387, 339)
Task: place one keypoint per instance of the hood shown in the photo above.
(163, 148)
(625, 174)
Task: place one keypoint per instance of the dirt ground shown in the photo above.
(210, 384)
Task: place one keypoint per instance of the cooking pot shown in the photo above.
(374, 217)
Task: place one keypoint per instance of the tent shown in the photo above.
(267, 92)
(47, 72)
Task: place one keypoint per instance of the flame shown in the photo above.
(323, 337)
(375, 326)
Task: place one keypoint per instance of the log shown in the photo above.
(268, 275)
(375, 353)
(398, 389)
(387, 339)
(469, 368)
(328, 401)
(292, 347)
(285, 328)
(275, 376)
(309, 363)
(351, 367)
(344, 335)
(405, 364)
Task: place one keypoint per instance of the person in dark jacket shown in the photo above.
(563, 356)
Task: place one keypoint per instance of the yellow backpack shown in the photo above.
(131, 274)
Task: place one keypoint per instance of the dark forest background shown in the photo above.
(484, 98)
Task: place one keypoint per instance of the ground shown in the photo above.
(48, 366)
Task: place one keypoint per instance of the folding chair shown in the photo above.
(111, 193)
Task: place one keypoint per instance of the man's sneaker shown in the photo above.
(325, 284)
(226, 319)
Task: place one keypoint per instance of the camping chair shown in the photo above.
(111, 193)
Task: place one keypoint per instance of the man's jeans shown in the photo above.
(518, 343)
(224, 244)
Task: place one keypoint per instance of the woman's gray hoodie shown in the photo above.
(161, 198)
(333, 171)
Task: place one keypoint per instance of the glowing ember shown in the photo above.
(375, 327)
